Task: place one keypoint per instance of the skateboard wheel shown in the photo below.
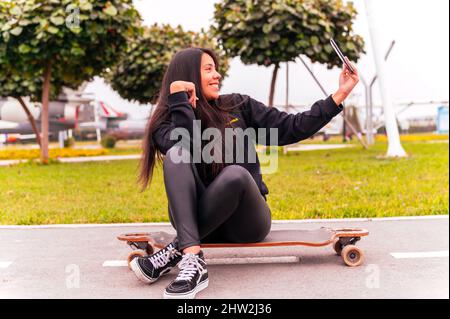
(352, 255)
(134, 254)
(337, 246)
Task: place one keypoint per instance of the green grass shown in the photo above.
(316, 184)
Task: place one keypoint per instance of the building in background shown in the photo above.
(442, 120)
(72, 114)
(63, 115)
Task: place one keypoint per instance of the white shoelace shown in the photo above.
(189, 265)
(160, 260)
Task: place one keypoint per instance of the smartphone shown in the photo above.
(341, 55)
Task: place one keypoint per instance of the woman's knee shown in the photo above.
(251, 234)
(260, 232)
(236, 176)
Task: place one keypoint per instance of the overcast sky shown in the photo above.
(418, 65)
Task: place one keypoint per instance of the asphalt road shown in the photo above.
(404, 259)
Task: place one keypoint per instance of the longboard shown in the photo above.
(343, 241)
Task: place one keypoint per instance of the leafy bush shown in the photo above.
(69, 142)
(53, 153)
(139, 73)
(415, 137)
(109, 141)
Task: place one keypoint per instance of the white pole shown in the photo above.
(61, 139)
(395, 148)
(97, 121)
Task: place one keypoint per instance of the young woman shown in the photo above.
(214, 201)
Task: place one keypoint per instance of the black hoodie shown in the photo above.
(292, 128)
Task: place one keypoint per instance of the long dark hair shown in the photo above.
(185, 66)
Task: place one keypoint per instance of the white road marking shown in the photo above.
(5, 264)
(253, 260)
(293, 221)
(115, 263)
(225, 261)
(428, 254)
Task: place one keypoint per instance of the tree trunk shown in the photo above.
(44, 113)
(272, 85)
(31, 119)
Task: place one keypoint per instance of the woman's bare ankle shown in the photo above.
(191, 250)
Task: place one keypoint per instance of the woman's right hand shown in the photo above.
(347, 82)
(182, 86)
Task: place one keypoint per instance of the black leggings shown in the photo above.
(230, 209)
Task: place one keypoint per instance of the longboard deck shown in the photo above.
(317, 238)
(343, 241)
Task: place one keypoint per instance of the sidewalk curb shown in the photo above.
(279, 222)
(79, 159)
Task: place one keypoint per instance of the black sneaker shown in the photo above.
(149, 269)
(193, 278)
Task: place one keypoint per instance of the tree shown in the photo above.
(11, 85)
(49, 44)
(139, 73)
(268, 32)
(16, 83)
